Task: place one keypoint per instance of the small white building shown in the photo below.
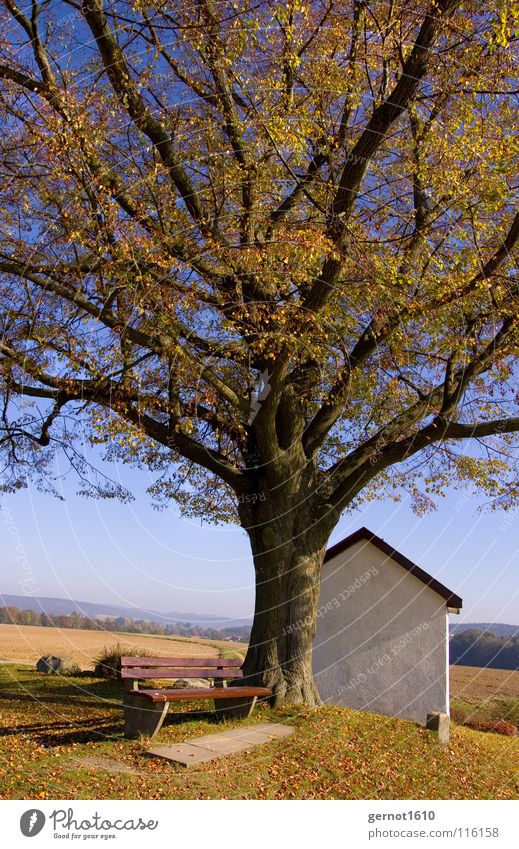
(382, 639)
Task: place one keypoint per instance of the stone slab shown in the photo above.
(256, 737)
(184, 753)
(231, 734)
(212, 746)
(221, 746)
(273, 729)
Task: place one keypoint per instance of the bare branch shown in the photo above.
(380, 329)
(128, 94)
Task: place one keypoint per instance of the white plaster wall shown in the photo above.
(381, 642)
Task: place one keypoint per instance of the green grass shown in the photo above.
(61, 738)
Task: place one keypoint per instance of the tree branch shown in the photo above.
(380, 329)
(388, 439)
(113, 396)
(129, 96)
(370, 141)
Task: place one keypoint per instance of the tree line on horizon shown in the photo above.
(12, 615)
(476, 648)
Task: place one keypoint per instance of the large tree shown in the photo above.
(263, 249)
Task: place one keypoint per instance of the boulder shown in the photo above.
(50, 664)
(186, 683)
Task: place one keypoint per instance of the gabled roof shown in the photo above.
(363, 534)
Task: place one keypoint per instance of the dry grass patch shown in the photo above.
(29, 642)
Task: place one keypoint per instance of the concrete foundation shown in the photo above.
(440, 723)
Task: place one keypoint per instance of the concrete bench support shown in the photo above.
(234, 708)
(439, 722)
(142, 716)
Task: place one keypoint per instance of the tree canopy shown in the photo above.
(265, 250)
(474, 648)
(253, 233)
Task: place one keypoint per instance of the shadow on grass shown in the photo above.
(63, 732)
(59, 700)
(60, 688)
(89, 714)
(94, 710)
(59, 733)
(182, 717)
(99, 733)
(53, 734)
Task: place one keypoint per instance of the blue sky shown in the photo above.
(130, 554)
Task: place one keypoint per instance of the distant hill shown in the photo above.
(484, 649)
(500, 629)
(65, 606)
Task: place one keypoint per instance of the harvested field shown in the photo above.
(29, 642)
(474, 683)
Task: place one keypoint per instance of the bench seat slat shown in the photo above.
(201, 693)
(205, 662)
(178, 672)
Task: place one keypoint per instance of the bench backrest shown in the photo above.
(180, 667)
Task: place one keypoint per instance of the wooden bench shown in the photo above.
(145, 710)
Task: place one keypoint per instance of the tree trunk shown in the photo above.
(288, 561)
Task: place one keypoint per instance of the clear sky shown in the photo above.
(130, 554)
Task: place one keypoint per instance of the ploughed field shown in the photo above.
(29, 642)
(475, 683)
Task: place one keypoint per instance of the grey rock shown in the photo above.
(187, 683)
(51, 664)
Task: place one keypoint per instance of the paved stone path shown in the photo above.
(213, 746)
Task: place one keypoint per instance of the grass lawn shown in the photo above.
(61, 738)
